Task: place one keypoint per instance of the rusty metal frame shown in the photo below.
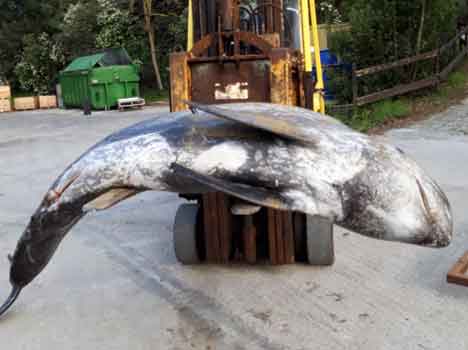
(209, 40)
(283, 81)
(180, 81)
(458, 273)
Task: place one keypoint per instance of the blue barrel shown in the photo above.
(327, 59)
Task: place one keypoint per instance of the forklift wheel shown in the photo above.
(185, 234)
(319, 236)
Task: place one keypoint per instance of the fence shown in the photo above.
(435, 65)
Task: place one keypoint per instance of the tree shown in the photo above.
(19, 18)
(72, 28)
(79, 28)
(388, 30)
(148, 15)
(38, 65)
(166, 21)
(119, 27)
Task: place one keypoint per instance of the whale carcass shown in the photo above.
(275, 156)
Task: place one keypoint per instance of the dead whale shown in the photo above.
(270, 155)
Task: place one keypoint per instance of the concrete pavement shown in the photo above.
(115, 282)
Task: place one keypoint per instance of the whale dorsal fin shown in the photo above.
(256, 195)
(290, 126)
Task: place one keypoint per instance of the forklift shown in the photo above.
(248, 51)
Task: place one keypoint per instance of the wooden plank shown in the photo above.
(207, 226)
(48, 101)
(224, 228)
(25, 103)
(271, 226)
(457, 273)
(288, 230)
(5, 91)
(215, 227)
(398, 90)
(279, 236)
(395, 64)
(451, 66)
(249, 233)
(5, 105)
(221, 225)
(210, 227)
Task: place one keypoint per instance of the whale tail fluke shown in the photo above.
(15, 292)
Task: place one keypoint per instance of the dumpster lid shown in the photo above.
(108, 57)
(84, 63)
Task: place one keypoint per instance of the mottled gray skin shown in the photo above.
(358, 182)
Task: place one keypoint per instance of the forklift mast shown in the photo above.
(242, 50)
(248, 51)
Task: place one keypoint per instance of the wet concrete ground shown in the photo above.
(115, 282)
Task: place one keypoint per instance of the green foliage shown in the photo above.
(457, 80)
(366, 118)
(371, 116)
(390, 109)
(38, 65)
(20, 18)
(387, 30)
(339, 83)
(38, 38)
(78, 28)
(171, 30)
(119, 28)
(328, 11)
(384, 31)
(154, 95)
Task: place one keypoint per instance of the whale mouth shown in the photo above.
(436, 215)
(431, 243)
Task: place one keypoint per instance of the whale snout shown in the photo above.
(32, 253)
(39, 242)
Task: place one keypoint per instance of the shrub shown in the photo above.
(387, 30)
(37, 69)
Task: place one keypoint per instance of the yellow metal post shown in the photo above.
(319, 101)
(190, 26)
(306, 35)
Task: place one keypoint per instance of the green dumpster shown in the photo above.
(100, 79)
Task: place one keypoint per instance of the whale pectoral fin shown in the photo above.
(109, 198)
(290, 126)
(256, 195)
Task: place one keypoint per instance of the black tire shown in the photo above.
(185, 234)
(319, 237)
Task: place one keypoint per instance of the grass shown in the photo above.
(456, 80)
(366, 118)
(152, 95)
